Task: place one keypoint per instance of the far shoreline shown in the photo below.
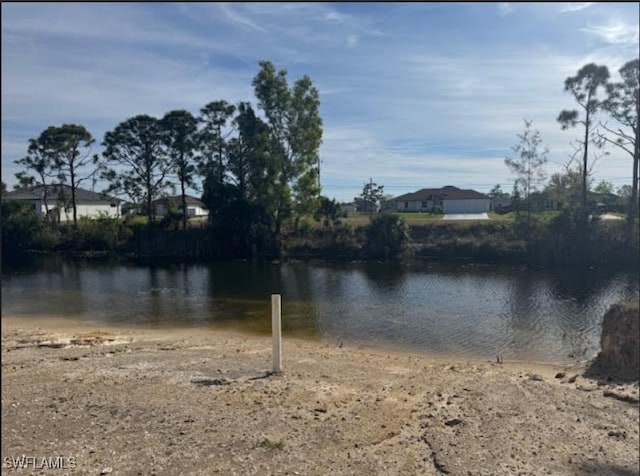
(410, 259)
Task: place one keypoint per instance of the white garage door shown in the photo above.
(466, 206)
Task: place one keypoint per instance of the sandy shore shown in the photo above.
(106, 400)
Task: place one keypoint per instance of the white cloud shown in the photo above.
(334, 16)
(427, 98)
(505, 8)
(471, 105)
(111, 23)
(575, 6)
(616, 31)
(127, 85)
(230, 13)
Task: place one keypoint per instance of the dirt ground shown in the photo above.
(78, 399)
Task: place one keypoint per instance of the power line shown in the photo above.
(328, 185)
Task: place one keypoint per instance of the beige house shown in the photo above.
(88, 204)
(447, 199)
(195, 206)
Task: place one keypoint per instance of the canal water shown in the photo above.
(464, 310)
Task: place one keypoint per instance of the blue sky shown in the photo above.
(413, 95)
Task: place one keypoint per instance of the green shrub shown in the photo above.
(95, 234)
(329, 212)
(386, 236)
(21, 227)
(304, 228)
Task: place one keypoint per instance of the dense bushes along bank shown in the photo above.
(555, 242)
(544, 243)
(605, 244)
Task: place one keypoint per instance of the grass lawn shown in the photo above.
(362, 219)
(545, 216)
(414, 218)
(501, 216)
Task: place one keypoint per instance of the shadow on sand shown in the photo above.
(606, 470)
(603, 372)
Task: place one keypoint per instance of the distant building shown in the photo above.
(499, 204)
(88, 204)
(447, 199)
(348, 207)
(195, 206)
(541, 201)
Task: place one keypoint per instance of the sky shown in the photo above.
(413, 95)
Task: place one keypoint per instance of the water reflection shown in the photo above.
(464, 310)
(386, 278)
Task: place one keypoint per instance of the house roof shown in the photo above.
(446, 193)
(36, 192)
(178, 199)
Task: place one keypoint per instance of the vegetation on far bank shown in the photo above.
(544, 239)
(259, 172)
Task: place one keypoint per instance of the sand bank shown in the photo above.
(197, 401)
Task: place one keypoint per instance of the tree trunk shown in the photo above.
(45, 199)
(184, 206)
(636, 169)
(73, 199)
(220, 174)
(150, 210)
(585, 161)
(633, 204)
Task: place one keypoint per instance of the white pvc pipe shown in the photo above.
(276, 331)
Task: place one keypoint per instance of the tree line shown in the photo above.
(259, 167)
(594, 94)
(255, 172)
(599, 102)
